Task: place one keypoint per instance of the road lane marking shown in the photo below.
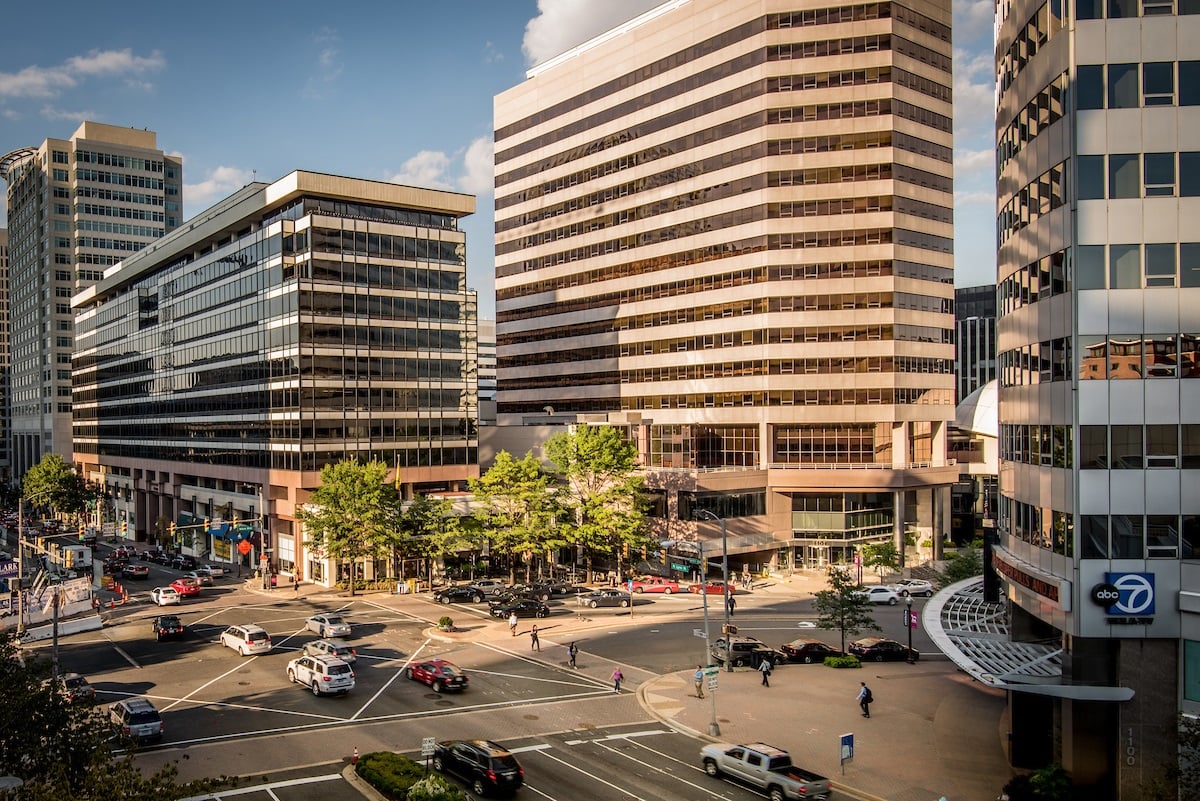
(656, 769)
(121, 651)
(389, 682)
(267, 787)
(211, 682)
(228, 704)
(527, 748)
(591, 776)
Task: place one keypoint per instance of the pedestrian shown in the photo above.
(729, 602)
(698, 680)
(534, 644)
(764, 667)
(864, 699)
(572, 652)
(617, 676)
(295, 583)
(512, 624)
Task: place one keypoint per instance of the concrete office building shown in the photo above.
(974, 338)
(726, 226)
(5, 461)
(487, 372)
(292, 325)
(75, 207)
(1098, 164)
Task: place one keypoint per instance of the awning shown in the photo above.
(220, 531)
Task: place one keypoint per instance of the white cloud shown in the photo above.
(491, 54)
(987, 199)
(52, 113)
(327, 63)
(44, 82)
(427, 169)
(478, 168)
(220, 183)
(973, 19)
(974, 161)
(562, 24)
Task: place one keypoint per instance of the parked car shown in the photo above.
(212, 571)
(920, 587)
(538, 592)
(766, 767)
(136, 718)
(165, 596)
(324, 675)
(490, 586)
(879, 594)
(880, 649)
(486, 766)
(135, 571)
(656, 584)
(326, 625)
(165, 626)
(459, 594)
(521, 608)
(335, 648)
(247, 639)
(608, 597)
(712, 588)
(76, 688)
(183, 561)
(745, 651)
(808, 651)
(438, 674)
(202, 579)
(187, 587)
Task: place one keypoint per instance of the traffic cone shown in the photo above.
(354, 756)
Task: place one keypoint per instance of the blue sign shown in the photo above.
(847, 746)
(1133, 596)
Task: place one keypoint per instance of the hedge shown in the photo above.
(390, 773)
(847, 661)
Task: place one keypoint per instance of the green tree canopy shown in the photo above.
(430, 529)
(881, 556)
(963, 565)
(840, 608)
(62, 749)
(517, 507)
(595, 468)
(354, 514)
(53, 482)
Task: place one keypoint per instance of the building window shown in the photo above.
(1189, 174)
(1158, 83)
(1089, 266)
(1125, 267)
(1160, 265)
(1093, 447)
(1090, 86)
(1159, 174)
(1091, 177)
(1126, 448)
(1093, 536)
(1123, 86)
(1123, 178)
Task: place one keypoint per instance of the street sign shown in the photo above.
(846, 747)
(427, 746)
(698, 633)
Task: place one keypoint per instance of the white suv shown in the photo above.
(323, 674)
(248, 639)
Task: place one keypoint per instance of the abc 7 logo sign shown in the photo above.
(1127, 594)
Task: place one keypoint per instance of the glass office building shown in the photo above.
(291, 326)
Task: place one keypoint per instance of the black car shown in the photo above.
(521, 608)
(745, 651)
(152, 555)
(165, 626)
(184, 562)
(486, 766)
(459, 594)
(537, 592)
(115, 567)
(878, 649)
(808, 651)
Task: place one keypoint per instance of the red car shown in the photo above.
(438, 674)
(712, 588)
(655, 584)
(186, 587)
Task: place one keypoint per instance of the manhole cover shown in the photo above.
(243, 684)
(530, 717)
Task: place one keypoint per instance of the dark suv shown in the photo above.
(486, 766)
(745, 651)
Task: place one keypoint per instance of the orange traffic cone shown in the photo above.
(354, 757)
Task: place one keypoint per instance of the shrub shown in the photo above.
(446, 622)
(390, 773)
(435, 788)
(847, 661)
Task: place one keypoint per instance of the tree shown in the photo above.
(594, 466)
(1185, 771)
(517, 507)
(882, 556)
(962, 565)
(62, 749)
(52, 482)
(354, 514)
(431, 529)
(840, 608)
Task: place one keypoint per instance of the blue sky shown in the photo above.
(398, 90)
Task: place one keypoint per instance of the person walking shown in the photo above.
(698, 680)
(617, 677)
(764, 667)
(864, 699)
(512, 624)
(730, 603)
(534, 643)
(295, 583)
(572, 652)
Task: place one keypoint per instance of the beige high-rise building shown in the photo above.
(75, 207)
(727, 226)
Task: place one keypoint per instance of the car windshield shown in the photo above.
(168, 621)
(75, 682)
(144, 716)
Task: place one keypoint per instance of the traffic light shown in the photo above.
(172, 529)
(124, 528)
(235, 521)
(81, 531)
(206, 525)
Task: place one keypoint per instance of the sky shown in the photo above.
(390, 90)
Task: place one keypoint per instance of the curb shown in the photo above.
(354, 780)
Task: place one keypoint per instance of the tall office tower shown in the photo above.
(974, 339)
(290, 326)
(727, 227)
(5, 462)
(487, 372)
(75, 207)
(1098, 157)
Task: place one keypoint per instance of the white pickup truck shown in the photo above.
(766, 767)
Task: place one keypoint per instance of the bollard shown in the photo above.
(354, 756)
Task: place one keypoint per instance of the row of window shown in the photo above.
(1135, 357)
(879, 396)
(1038, 280)
(1043, 110)
(119, 228)
(1037, 363)
(1139, 536)
(117, 160)
(122, 212)
(1039, 526)
(1116, 86)
(433, 455)
(118, 179)
(1137, 266)
(1129, 9)
(1042, 25)
(1040, 196)
(127, 245)
(1139, 447)
(386, 246)
(1045, 445)
(1137, 175)
(119, 195)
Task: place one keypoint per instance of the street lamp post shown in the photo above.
(21, 588)
(724, 577)
(908, 613)
(714, 728)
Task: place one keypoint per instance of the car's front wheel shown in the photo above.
(808, 660)
(292, 676)
(624, 604)
(891, 601)
(437, 764)
(437, 687)
(638, 590)
(593, 604)
(477, 598)
(667, 591)
(445, 599)
(316, 688)
(710, 767)
(879, 657)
